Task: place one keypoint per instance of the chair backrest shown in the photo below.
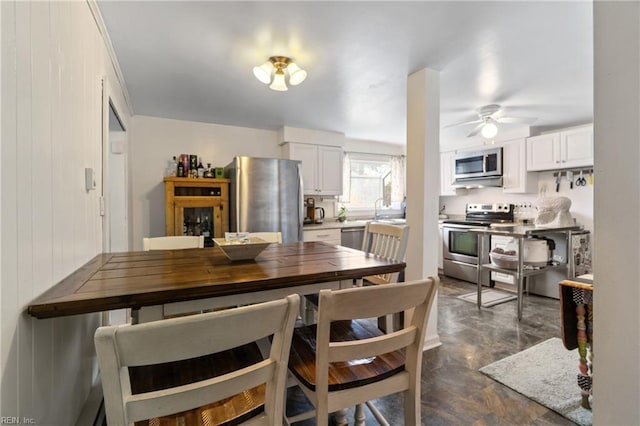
(172, 243)
(387, 241)
(371, 302)
(120, 348)
(270, 237)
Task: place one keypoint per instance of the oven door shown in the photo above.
(460, 244)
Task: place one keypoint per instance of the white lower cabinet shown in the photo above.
(499, 241)
(329, 236)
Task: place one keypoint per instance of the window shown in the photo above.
(371, 177)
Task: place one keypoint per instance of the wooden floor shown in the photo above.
(454, 392)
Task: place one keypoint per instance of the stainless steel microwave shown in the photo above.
(478, 164)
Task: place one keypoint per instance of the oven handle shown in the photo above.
(457, 262)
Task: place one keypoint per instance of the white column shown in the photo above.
(423, 183)
(616, 213)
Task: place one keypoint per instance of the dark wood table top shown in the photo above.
(136, 279)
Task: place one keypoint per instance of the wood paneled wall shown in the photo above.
(53, 61)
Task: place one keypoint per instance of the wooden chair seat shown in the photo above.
(228, 411)
(342, 375)
(345, 360)
(198, 370)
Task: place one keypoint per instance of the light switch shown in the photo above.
(89, 179)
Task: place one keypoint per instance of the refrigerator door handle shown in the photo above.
(236, 211)
(301, 203)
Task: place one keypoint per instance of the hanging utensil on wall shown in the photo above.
(581, 181)
(558, 176)
(570, 178)
(591, 177)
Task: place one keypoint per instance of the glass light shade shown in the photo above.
(278, 82)
(263, 72)
(489, 130)
(296, 74)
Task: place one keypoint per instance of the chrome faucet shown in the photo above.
(375, 207)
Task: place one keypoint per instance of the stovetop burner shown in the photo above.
(485, 214)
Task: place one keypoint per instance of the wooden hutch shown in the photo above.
(196, 207)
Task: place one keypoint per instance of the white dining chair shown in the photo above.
(194, 346)
(346, 360)
(270, 237)
(172, 242)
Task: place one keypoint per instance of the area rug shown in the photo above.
(545, 373)
(489, 297)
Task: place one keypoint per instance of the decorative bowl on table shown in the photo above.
(241, 249)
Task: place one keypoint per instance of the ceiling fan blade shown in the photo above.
(463, 123)
(524, 120)
(476, 130)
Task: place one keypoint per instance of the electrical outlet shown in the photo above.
(558, 258)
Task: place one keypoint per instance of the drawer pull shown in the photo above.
(323, 235)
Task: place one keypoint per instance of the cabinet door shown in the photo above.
(330, 173)
(516, 178)
(577, 147)
(446, 173)
(329, 236)
(543, 152)
(308, 155)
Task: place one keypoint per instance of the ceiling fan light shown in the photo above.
(263, 72)
(278, 82)
(489, 130)
(296, 74)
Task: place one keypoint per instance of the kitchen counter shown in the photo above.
(524, 230)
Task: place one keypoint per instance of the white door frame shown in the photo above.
(109, 101)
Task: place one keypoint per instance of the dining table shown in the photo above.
(158, 284)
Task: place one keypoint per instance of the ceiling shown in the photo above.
(193, 61)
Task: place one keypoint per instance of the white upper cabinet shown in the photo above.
(562, 150)
(321, 167)
(446, 173)
(515, 177)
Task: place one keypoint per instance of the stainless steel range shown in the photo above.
(460, 247)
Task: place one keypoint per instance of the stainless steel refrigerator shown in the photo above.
(265, 195)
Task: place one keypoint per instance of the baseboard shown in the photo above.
(431, 342)
(93, 409)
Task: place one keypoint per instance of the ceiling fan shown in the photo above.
(488, 118)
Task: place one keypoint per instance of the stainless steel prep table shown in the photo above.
(520, 233)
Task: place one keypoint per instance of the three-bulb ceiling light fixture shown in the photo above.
(274, 71)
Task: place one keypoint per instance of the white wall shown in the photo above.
(581, 198)
(53, 59)
(617, 213)
(155, 141)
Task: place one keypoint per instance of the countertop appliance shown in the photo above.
(478, 168)
(319, 215)
(265, 195)
(460, 247)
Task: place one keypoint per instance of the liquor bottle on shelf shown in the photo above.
(198, 230)
(185, 165)
(200, 168)
(209, 172)
(206, 228)
(180, 172)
